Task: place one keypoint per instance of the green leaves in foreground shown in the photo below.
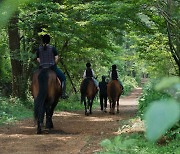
(167, 82)
(161, 116)
(8, 7)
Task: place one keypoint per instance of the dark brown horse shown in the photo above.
(114, 91)
(88, 90)
(46, 90)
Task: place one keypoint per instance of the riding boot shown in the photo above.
(64, 96)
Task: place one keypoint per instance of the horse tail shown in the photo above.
(113, 92)
(43, 90)
(83, 88)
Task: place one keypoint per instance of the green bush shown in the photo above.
(137, 144)
(149, 95)
(73, 103)
(129, 83)
(12, 110)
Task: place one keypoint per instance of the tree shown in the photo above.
(14, 46)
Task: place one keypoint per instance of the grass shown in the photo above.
(13, 109)
(136, 143)
(73, 103)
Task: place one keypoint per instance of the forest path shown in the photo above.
(74, 133)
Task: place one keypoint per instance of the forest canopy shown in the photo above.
(141, 37)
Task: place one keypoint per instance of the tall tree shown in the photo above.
(14, 46)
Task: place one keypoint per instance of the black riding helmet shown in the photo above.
(88, 65)
(114, 67)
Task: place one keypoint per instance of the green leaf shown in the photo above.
(167, 82)
(7, 8)
(105, 143)
(160, 116)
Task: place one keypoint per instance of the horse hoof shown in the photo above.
(117, 111)
(87, 114)
(39, 132)
(46, 131)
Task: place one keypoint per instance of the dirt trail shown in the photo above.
(74, 133)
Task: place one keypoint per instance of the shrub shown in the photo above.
(149, 95)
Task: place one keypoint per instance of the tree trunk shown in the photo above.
(14, 46)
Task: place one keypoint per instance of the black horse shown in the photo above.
(46, 90)
(88, 90)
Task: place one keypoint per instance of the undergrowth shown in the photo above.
(136, 143)
(12, 110)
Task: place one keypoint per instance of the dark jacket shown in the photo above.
(103, 88)
(114, 75)
(89, 73)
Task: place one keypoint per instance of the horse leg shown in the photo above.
(51, 113)
(118, 106)
(113, 107)
(88, 106)
(48, 117)
(110, 105)
(91, 102)
(40, 119)
(85, 106)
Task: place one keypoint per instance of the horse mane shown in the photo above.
(43, 90)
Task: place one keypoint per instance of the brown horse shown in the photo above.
(46, 90)
(114, 91)
(88, 90)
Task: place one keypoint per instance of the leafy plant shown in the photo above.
(136, 143)
(12, 110)
(163, 114)
(149, 95)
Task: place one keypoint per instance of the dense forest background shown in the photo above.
(141, 37)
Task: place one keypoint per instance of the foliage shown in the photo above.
(7, 9)
(12, 110)
(148, 96)
(137, 143)
(5, 70)
(163, 114)
(129, 84)
(73, 104)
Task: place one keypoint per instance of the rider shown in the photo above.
(48, 58)
(114, 75)
(89, 73)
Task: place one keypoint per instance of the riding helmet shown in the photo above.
(88, 65)
(114, 67)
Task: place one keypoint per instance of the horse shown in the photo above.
(88, 90)
(114, 91)
(46, 90)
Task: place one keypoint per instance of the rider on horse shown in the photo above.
(48, 58)
(114, 75)
(89, 73)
